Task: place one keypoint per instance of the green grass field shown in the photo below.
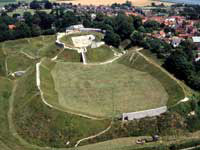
(38, 124)
(99, 54)
(21, 11)
(175, 92)
(101, 90)
(69, 56)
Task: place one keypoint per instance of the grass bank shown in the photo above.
(40, 125)
(175, 92)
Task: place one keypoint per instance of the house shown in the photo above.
(75, 27)
(175, 41)
(196, 41)
(81, 28)
(197, 57)
(11, 26)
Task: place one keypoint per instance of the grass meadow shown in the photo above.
(174, 90)
(101, 90)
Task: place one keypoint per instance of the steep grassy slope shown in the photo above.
(41, 125)
(173, 89)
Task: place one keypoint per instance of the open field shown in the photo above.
(110, 2)
(21, 11)
(101, 90)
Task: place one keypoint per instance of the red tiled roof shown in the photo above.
(11, 26)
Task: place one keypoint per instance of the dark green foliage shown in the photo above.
(112, 38)
(151, 25)
(123, 26)
(181, 64)
(137, 38)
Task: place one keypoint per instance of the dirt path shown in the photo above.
(27, 55)
(4, 146)
(94, 136)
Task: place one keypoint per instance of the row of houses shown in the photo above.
(182, 29)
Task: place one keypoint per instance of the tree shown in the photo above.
(46, 20)
(178, 64)
(137, 38)
(141, 29)
(28, 18)
(35, 30)
(137, 21)
(152, 25)
(48, 5)
(123, 26)
(35, 5)
(99, 17)
(112, 38)
(22, 30)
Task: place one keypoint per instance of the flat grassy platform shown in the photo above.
(101, 90)
(68, 39)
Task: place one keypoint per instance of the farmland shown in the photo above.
(108, 2)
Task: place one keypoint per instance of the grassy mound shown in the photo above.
(69, 56)
(38, 124)
(173, 89)
(100, 91)
(99, 54)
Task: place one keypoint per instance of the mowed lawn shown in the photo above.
(104, 90)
